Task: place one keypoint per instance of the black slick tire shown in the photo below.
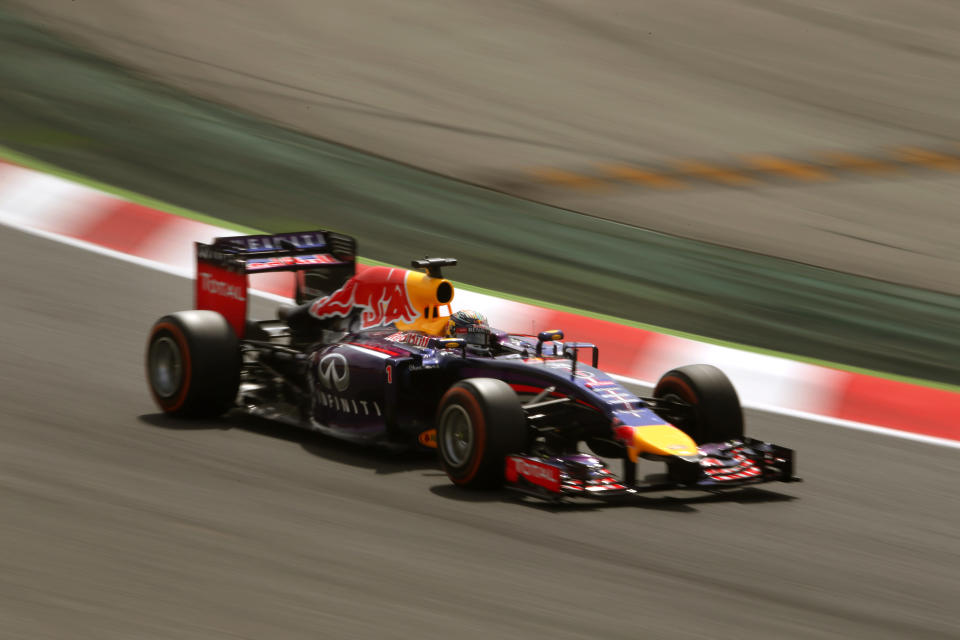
(193, 364)
(715, 414)
(479, 422)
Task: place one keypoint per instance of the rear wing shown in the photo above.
(290, 251)
(223, 267)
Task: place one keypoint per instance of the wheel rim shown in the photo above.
(457, 440)
(676, 418)
(166, 367)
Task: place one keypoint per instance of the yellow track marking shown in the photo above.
(714, 173)
(751, 170)
(788, 168)
(568, 179)
(649, 178)
(853, 162)
(927, 158)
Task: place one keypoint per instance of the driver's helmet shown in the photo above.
(471, 326)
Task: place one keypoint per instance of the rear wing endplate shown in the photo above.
(223, 267)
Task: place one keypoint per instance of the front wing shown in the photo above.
(720, 466)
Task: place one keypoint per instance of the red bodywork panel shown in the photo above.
(221, 286)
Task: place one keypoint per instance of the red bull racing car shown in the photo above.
(378, 355)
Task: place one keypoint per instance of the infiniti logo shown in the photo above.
(334, 372)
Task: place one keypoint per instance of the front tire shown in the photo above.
(193, 364)
(715, 414)
(479, 422)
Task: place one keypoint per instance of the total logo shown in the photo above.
(538, 473)
(221, 288)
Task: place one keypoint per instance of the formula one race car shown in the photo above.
(377, 355)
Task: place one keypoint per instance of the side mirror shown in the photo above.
(448, 344)
(547, 336)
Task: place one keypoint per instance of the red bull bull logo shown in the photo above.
(380, 293)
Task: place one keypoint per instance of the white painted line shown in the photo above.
(183, 272)
(48, 202)
(188, 272)
(821, 419)
(859, 426)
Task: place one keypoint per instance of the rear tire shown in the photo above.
(479, 422)
(193, 364)
(715, 414)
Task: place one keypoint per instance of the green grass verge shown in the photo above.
(25, 161)
(31, 163)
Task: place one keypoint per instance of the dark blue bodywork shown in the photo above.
(384, 384)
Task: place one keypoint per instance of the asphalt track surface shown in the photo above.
(120, 523)
(488, 91)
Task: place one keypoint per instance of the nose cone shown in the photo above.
(657, 439)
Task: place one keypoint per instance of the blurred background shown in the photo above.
(779, 174)
(801, 156)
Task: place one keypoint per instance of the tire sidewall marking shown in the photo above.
(180, 397)
(469, 402)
